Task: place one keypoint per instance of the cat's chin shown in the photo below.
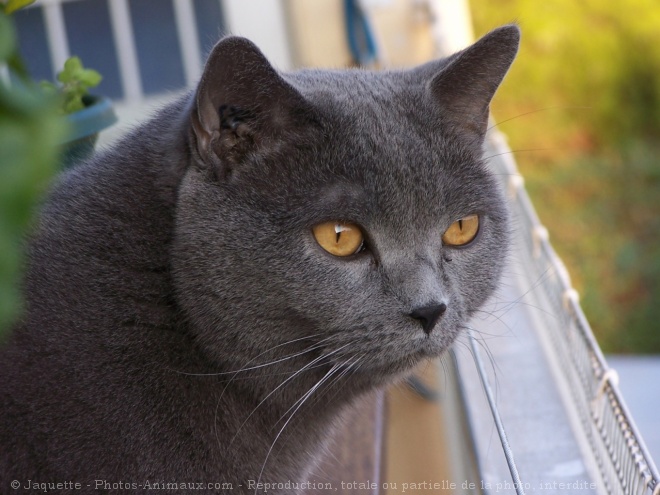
(398, 369)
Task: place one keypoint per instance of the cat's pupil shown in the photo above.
(339, 228)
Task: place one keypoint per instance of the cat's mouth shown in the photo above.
(398, 360)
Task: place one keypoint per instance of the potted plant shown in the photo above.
(86, 114)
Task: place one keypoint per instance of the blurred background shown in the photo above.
(581, 106)
(584, 96)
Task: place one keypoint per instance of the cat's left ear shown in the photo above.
(465, 86)
(242, 105)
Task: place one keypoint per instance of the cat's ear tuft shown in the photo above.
(242, 104)
(465, 86)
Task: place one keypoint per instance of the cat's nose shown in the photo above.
(429, 315)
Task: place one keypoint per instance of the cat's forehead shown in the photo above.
(390, 116)
(356, 92)
(399, 199)
(386, 148)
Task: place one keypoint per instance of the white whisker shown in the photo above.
(307, 366)
(334, 380)
(311, 348)
(306, 396)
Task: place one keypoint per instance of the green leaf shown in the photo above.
(17, 66)
(48, 87)
(7, 38)
(90, 78)
(72, 66)
(27, 116)
(14, 5)
(73, 105)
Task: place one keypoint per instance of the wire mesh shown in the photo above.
(619, 452)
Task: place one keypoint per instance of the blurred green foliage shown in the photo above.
(10, 6)
(30, 132)
(584, 94)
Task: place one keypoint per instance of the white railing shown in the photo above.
(124, 41)
(187, 30)
(617, 447)
(240, 17)
(129, 70)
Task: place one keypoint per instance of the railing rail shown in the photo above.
(124, 36)
(617, 446)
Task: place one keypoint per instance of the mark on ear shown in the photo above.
(465, 86)
(242, 105)
(232, 117)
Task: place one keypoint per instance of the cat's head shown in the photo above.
(346, 211)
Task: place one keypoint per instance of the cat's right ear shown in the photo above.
(242, 106)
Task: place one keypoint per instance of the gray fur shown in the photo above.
(185, 253)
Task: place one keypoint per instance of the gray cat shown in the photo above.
(205, 299)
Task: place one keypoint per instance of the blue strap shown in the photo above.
(360, 36)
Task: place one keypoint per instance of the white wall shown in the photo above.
(264, 23)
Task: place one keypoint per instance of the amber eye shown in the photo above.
(462, 231)
(339, 238)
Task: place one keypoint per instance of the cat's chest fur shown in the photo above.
(206, 299)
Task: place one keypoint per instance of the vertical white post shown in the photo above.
(452, 25)
(122, 29)
(186, 27)
(264, 22)
(58, 43)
